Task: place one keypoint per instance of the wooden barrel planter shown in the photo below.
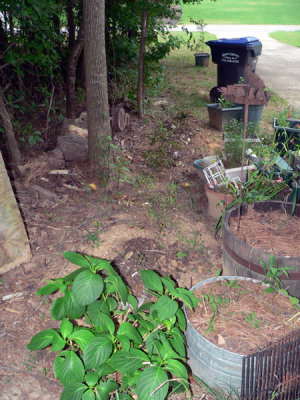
(242, 259)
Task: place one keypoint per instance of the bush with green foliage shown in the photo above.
(110, 347)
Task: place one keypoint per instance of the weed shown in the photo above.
(192, 243)
(181, 254)
(253, 320)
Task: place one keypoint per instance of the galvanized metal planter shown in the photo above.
(215, 366)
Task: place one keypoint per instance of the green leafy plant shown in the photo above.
(109, 346)
(196, 43)
(224, 103)
(252, 320)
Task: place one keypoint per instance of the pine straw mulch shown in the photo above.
(268, 316)
(275, 232)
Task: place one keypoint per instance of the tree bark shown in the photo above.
(13, 147)
(71, 72)
(71, 23)
(141, 70)
(96, 83)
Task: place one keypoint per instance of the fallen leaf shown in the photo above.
(221, 340)
(93, 186)
(12, 310)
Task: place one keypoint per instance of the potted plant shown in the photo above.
(197, 44)
(109, 346)
(222, 112)
(232, 320)
(287, 131)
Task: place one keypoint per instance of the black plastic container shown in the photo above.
(232, 55)
(288, 136)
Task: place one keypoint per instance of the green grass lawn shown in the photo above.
(285, 12)
(292, 38)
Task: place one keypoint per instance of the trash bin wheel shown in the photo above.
(215, 94)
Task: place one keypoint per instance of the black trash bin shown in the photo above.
(232, 56)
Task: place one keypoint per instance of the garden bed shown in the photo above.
(248, 319)
(273, 231)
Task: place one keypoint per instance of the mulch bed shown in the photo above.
(275, 232)
(247, 318)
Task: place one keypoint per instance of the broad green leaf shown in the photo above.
(50, 288)
(91, 378)
(181, 319)
(77, 259)
(41, 340)
(72, 275)
(123, 396)
(177, 369)
(100, 264)
(117, 285)
(166, 307)
(66, 328)
(125, 342)
(152, 280)
(170, 285)
(127, 329)
(127, 362)
(150, 379)
(58, 343)
(72, 369)
(87, 287)
(145, 306)
(104, 370)
(112, 303)
(177, 341)
(73, 391)
(82, 337)
(96, 310)
(89, 395)
(57, 310)
(57, 365)
(106, 388)
(193, 299)
(72, 308)
(168, 351)
(133, 301)
(97, 352)
(109, 323)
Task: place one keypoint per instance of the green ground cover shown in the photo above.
(292, 38)
(265, 12)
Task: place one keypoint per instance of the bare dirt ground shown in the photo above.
(159, 223)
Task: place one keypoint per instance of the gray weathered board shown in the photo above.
(14, 245)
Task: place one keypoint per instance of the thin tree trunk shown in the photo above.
(96, 83)
(141, 70)
(13, 147)
(71, 72)
(71, 23)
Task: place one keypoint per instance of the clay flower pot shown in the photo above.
(215, 199)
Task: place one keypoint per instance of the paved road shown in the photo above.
(279, 64)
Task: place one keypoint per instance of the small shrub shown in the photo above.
(109, 346)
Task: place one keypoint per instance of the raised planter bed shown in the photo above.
(219, 116)
(243, 259)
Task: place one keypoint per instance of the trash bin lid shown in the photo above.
(249, 41)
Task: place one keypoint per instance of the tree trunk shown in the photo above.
(96, 83)
(71, 23)
(13, 147)
(141, 70)
(71, 72)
